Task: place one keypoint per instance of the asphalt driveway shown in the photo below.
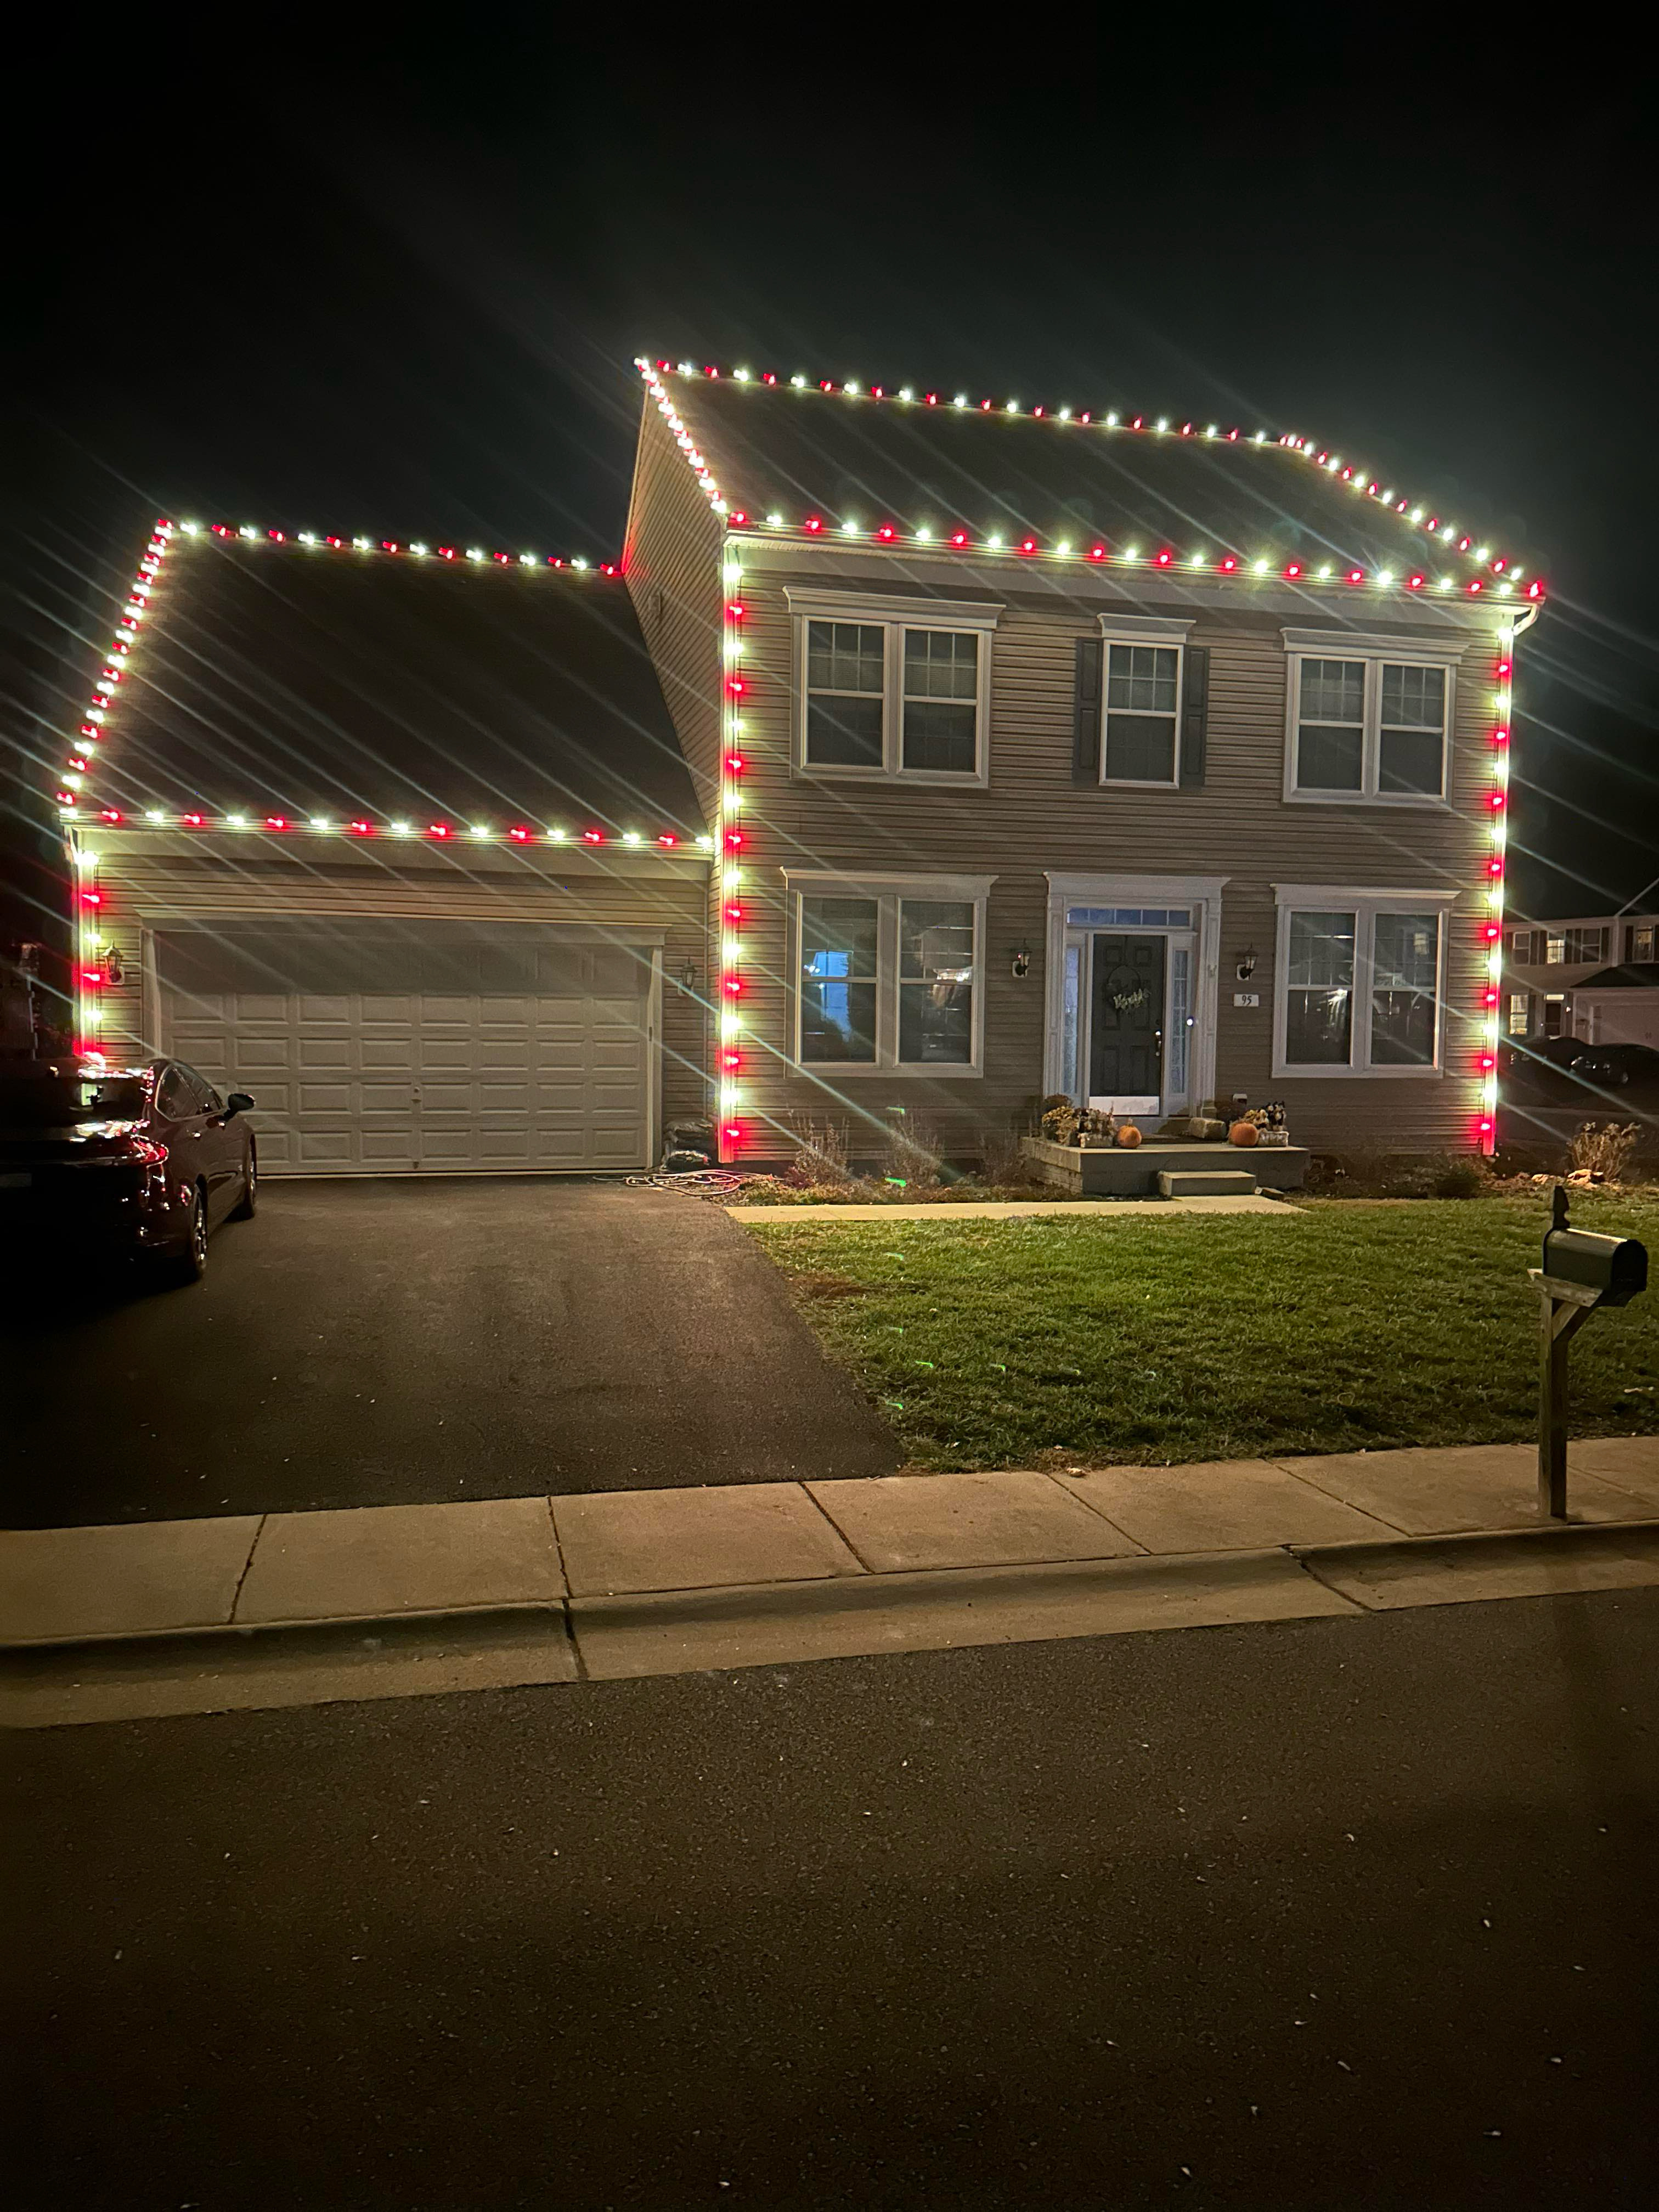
(387, 1343)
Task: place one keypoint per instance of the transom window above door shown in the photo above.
(892, 689)
(1366, 727)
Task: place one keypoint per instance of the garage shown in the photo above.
(375, 1047)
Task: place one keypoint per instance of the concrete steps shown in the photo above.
(1206, 1183)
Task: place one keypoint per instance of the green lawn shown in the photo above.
(1354, 1327)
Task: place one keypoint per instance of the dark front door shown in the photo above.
(1126, 1039)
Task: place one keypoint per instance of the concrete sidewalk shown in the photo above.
(1020, 1209)
(649, 1582)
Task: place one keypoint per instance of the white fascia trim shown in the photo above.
(1415, 646)
(882, 884)
(1316, 895)
(1146, 629)
(816, 602)
(1134, 891)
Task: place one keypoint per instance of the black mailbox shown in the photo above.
(1617, 1267)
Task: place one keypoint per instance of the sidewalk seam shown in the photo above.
(230, 1620)
(564, 1602)
(806, 1487)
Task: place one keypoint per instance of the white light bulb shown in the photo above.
(237, 821)
(707, 843)
(1259, 568)
(1417, 515)
(556, 836)
(321, 822)
(731, 572)
(190, 529)
(1163, 422)
(905, 392)
(1197, 560)
(775, 522)
(482, 829)
(248, 531)
(402, 828)
(1063, 549)
(526, 560)
(155, 815)
(849, 528)
(1483, 552)
(473, 552)
(995, 538)
(961, 399)
(1325, 573)
(307, 538)
(1385, 575)
(1065, 415)
(799, 383)
(742, 375)
(1111, 419)
(630, 836)
(1442, 583)
(1132, 552)
(579, 563)
(923, 535)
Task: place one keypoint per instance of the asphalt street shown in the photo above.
(381, 1343)
(1330, 1913)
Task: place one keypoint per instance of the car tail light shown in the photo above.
(147, 1149)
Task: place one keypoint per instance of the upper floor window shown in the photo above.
(1143, 701)
(1642, 945)
(1365, 726)
(1359, 984)
(892, 687)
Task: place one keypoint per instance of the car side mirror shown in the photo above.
(238, 1103)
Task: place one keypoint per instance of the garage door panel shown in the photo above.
(379, 1047)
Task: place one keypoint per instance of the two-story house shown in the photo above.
(1140, 759)
(1594, 977)
(920, 750)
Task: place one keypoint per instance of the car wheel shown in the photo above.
(193, 1261)
(248, 1204)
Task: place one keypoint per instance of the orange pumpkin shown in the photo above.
(1128, 1136)
(1243, 1133)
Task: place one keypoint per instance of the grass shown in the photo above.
(1356, 1327)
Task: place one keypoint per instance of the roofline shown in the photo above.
(1499, 566)
(77, 813)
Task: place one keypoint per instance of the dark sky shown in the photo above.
(395, 286)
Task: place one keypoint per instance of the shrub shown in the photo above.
(913, 1154)
(1458, 1174)
(820, 1150)
(1000, 1159)
(1603, 1150)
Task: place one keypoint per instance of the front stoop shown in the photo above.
(1119, 1171)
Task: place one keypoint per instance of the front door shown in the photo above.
(1125, 1029)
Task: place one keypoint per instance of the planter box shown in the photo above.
(1133, 1174)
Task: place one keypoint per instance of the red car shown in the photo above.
(137, 1162)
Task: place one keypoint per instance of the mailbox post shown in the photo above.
(1581, 1272)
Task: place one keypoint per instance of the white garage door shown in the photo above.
(374, 1047)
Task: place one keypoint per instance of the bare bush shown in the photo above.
(1603, 1150)
(820, 1150)
(1000, 1159)
(913, 1152)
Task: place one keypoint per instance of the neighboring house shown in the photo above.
(926, 755)
(400, 841)
(1137, 760)
(1557, 980)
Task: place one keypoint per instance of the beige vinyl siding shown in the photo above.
(1033, 818)
(144, 889)
(672, 562)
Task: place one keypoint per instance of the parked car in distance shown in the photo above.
(1613, 1067)
(139, 1162)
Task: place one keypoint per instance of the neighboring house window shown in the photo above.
(1642, 942)
(1143, 697)
(1364, 726)
(891, 977)
(1582, 944)
(1526, 948)
(1555, 950)
(1359, 988)
(1520, 1012)
(892, 687)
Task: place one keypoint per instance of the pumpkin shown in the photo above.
(1243, 1133)
(1128, 1136)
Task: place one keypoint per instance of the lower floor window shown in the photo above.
(889, 979)
(1519, 1013)
(1360, 986)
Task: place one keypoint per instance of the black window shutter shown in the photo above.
(1085, 711)
(1195, 715)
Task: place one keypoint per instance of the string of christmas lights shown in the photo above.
(78, 813)
(1506, 574)
(1491, 930)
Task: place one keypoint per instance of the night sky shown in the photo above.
(397, 289)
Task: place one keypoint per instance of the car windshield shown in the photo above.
(49, 1100)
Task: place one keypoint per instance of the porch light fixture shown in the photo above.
(1246, 967)
(1020, 962)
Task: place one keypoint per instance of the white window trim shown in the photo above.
(1364, 903)
(1202, 894)
(1124, 629)
(888, 891)
(1374, 648)
(894, 615)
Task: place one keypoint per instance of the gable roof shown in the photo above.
(941, 469)
(290, 679)
(1629, 975)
